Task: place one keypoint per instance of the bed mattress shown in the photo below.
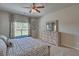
(27, 47)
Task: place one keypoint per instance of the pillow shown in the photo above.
(9, 43)
(4, 38)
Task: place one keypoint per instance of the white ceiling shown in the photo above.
(18, 8)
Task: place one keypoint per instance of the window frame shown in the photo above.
(21, 29)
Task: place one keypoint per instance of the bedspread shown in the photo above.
(27, 47)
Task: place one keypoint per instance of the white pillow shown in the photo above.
(4, 38)
(9, 43)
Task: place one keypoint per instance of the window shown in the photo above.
(21, 29)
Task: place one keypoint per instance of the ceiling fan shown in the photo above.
(34, 7)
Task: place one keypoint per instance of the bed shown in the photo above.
(3, 48)
(28, 46)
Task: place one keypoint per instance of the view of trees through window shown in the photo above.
(21, 29)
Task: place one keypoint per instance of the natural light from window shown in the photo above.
(21, 29)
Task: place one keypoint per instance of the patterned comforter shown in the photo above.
(28, 47)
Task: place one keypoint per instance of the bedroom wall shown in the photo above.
(68, 25)
(4, 23)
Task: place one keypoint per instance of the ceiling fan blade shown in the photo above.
(37, 10)
(40, 7)
(26, 7)
(33, 4)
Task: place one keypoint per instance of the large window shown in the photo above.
(21, 29)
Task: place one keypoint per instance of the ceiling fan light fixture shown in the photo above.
(34, 11)
(35, 8)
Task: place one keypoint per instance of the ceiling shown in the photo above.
(17, 8)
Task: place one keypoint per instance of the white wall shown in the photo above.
(68, 25)
(4, 23)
